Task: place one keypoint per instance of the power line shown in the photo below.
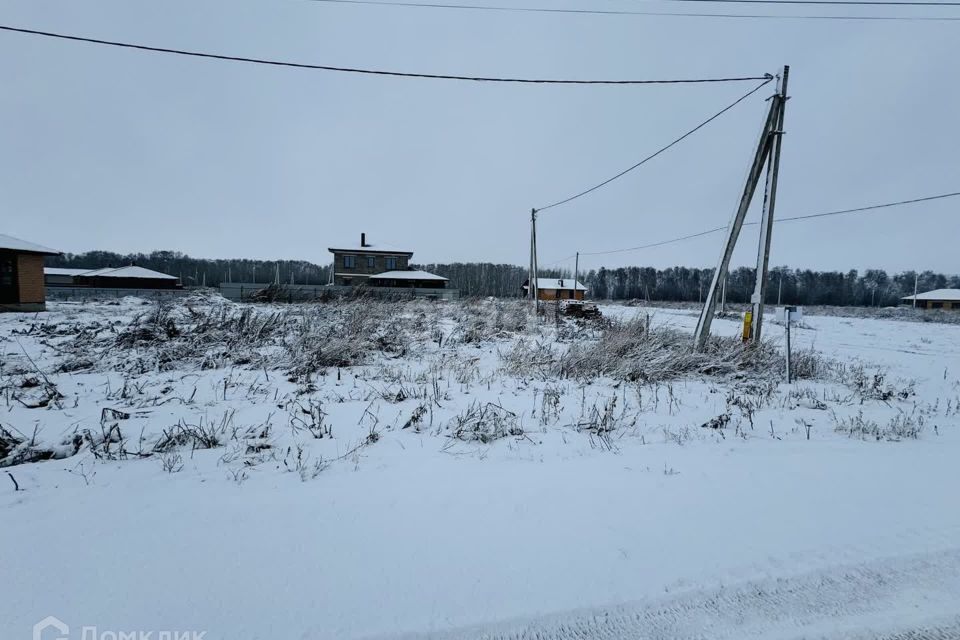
(872, 3)
(662, 149)
(616, 12)
(377, 72)
(569, 257)
(871, 207)
(661, 243)
(788, 219)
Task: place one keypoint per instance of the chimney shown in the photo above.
(363, 239)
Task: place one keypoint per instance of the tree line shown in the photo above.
(200, 271)
(873, 287)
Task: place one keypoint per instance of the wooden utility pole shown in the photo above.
(736, 224)
(769, 202)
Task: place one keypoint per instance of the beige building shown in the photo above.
(937, 299)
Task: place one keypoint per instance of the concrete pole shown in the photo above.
(576, 270)
(769, 203)
(733, 231)
(530, 291)
(536, 271)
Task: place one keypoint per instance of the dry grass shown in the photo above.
(636, 351)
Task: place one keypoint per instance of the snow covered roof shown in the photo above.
(16, 244)
(128, 272)
(938, 294)
(96, 272)
(370, 247)
(59, 271)
(407, 275)
(561, 284)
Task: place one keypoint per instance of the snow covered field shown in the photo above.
(450, 470)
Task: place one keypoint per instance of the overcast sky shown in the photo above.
(105, 148)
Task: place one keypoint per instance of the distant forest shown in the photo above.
(873, 287)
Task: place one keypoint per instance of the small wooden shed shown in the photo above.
(556, 289)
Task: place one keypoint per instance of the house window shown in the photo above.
(349, 262)
(371, 262)
(391, 264)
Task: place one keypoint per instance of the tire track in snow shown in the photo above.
(905, 598)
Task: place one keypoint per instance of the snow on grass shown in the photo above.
(345, 469)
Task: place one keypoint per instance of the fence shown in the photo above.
(246, 291)
(84, 293)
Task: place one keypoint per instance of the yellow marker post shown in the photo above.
(747, 322)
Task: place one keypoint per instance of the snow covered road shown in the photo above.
(875, 601)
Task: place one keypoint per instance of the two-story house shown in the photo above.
(361, 264)
(353, 265)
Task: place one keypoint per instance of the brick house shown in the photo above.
(355, 264)
(21, 274)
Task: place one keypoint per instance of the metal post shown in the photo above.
(780, 289)
(733, 231)
(576, 270)
(769, 202)
(787, 312)
(916, 279)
